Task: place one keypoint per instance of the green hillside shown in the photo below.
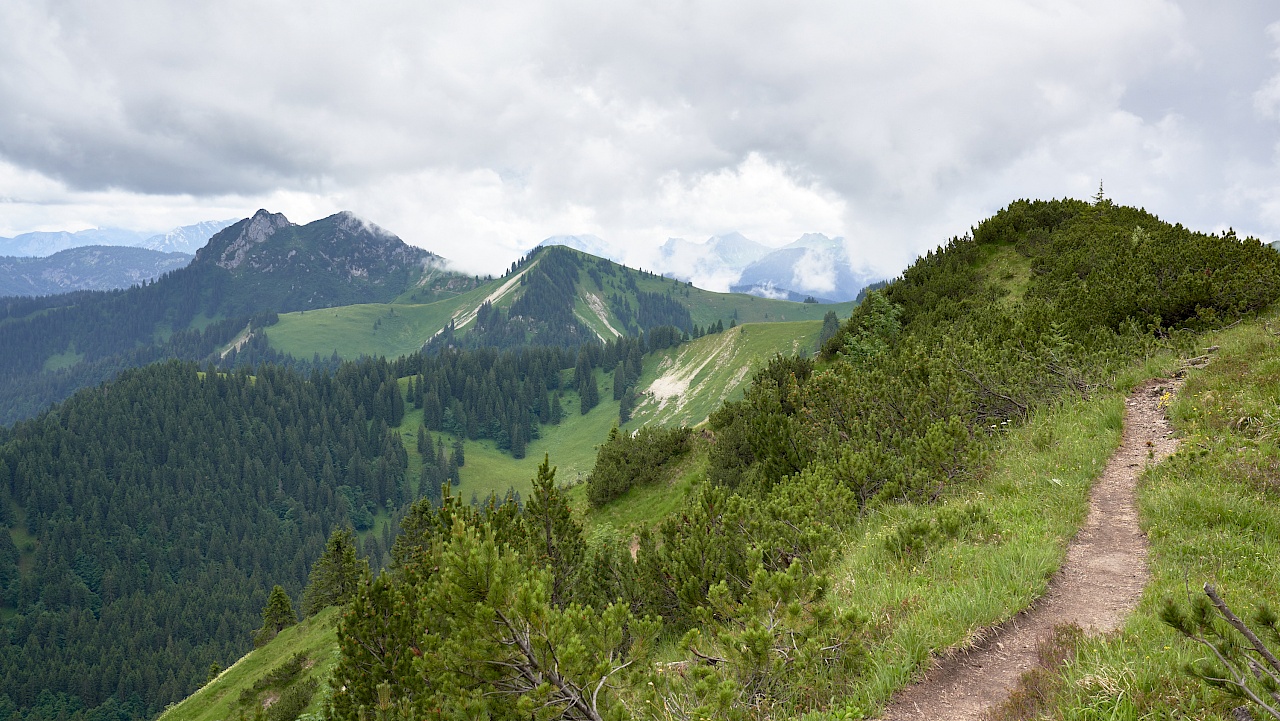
(263, 675)
(372, 329)
(685, 384)
(938, 600)
(694, 379)
(854, 517)
(602, 293)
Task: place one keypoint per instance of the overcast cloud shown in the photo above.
(477, 129)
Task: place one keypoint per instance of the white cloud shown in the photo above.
(815, 270)
(477, 129)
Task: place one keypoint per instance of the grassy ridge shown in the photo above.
(398, 328)
(372, 329)
(1035, 494)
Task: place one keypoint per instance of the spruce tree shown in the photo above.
(582, 371)
(619, 380)
(335, 575)
(459, 456)
(277, 615)
(590, 394)
(557, 410)
(830, 326)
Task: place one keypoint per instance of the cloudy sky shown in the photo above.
(477, 129)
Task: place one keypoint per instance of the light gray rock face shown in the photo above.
(259, 228)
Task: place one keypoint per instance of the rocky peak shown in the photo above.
(247, 233)
(352, 223)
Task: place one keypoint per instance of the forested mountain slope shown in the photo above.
(257, 267)
(147, 520)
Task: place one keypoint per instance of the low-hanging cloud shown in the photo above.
(477, 129)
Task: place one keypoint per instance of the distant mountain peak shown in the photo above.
(188, 238)
(816, 241)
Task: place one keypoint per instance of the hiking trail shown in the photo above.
(1099, 583)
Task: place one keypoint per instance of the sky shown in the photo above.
(476, 129)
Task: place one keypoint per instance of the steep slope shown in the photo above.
(144, 523)
(300, 655)
(93, 267)
(684, 385)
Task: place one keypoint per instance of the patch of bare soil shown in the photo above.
(1098, 584)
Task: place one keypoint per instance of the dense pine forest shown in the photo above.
(200, 486)
(151, 517)
(161, 508)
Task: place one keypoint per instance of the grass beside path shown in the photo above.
(1211, 513)
(1028, 505)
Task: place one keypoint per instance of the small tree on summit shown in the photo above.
(335, 575)
(277, 615)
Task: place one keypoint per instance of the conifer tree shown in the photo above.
(277, 615)
(590, 394)
(619, 380)
(459, 456)
(555, 536)
(830, 326)
(335, 575)
(557, 410)
(455, 477)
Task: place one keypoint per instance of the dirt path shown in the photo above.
(1098, 584)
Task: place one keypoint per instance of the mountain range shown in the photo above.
(248, 272)
(813, 265)
(185, 239)
(92, 267)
